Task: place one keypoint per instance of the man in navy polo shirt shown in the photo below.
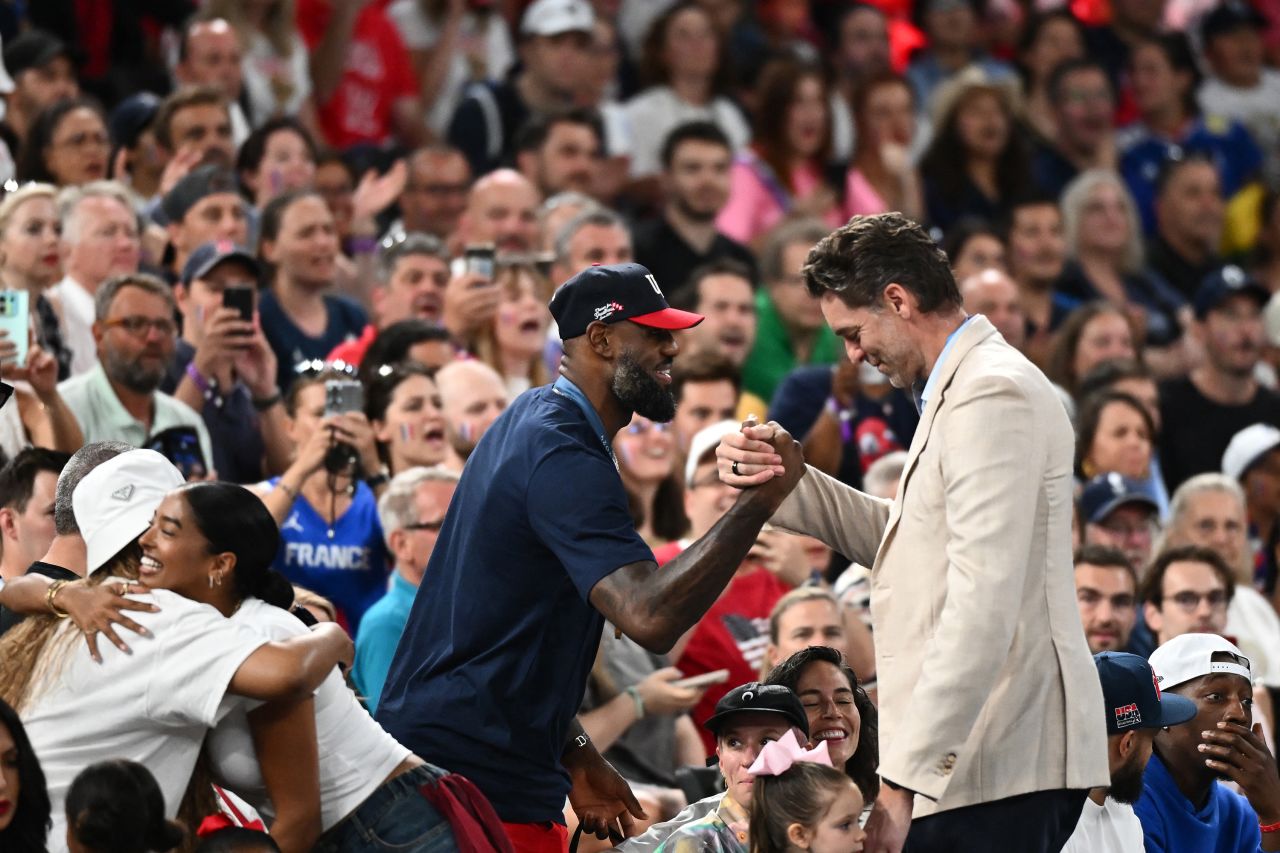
(537, 550)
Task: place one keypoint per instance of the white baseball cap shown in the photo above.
(115, 501)
(1189, 656)
(705, 442)
(553, 17)
(1247, 447)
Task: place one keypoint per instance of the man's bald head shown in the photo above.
(473, 395)
(992, 293)
(502, 209)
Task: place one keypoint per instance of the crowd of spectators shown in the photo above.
(306, 247)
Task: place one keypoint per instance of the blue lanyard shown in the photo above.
(565, 388)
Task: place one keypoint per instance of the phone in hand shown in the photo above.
(719, 676)
(342, 396)
(480, 260)
(239, 297)
(181, 446)
(15, 320)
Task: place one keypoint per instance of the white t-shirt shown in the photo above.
(484, 52)
(356, 755)
(655, 112)
(276, 85)
(153, 706)
(1109, 828)
(1258, 109)
(1253, 622)
(76, 323)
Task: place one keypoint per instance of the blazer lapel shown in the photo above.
(979, 329)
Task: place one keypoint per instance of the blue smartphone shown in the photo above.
(15, 322)
(181, 446)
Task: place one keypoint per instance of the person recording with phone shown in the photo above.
(326, 500)
(223, 367)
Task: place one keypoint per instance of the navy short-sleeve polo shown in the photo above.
(495, 657)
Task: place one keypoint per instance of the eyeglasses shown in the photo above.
(429, 526)
(138, 326)
(316, 366)
(1188, 601)
(83, 140)
(642, 427)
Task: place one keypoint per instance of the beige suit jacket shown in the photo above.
(986, 686)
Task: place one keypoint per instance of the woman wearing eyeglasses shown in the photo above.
(67, 145)
(646, 453)
(326, 504)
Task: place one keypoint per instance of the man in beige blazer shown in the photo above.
(988, 697)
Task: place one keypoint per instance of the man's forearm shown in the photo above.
(669, 601)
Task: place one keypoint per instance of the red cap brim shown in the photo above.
(669, 318)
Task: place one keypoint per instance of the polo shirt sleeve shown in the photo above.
(578, 508)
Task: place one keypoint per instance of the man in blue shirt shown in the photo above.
(412, 512)
(1183, 808)
(538, 549)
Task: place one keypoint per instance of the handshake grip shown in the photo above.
(761, 456)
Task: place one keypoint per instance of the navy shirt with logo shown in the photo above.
(494, 660)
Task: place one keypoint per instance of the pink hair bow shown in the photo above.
(778, 756)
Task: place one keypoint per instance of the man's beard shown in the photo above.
(640, 392)
(690, 212)
(1126, 783)
(462, 445)
(131, 374)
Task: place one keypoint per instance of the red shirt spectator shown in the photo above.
(733, 635)
(377, 74)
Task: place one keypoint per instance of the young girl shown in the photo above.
(802, 803)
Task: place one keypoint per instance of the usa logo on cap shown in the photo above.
(1127, 715)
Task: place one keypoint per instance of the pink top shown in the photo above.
(755, 206)
(860, 198)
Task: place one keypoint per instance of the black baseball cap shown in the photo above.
(762, 699)
(209, 255)
(1230, 16)
(1222, 284)
(613, 293)
(1106, 493)
(131, 118)
(33, 49)
(198, 184)
(1132, 695)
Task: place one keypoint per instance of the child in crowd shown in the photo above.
(116, 807)
(801, 802)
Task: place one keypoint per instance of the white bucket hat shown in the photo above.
(114, 502)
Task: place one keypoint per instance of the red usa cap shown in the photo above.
(613, 293)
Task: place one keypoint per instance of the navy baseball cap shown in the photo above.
(760, 698)
(1230, 16)
(209, 255)
(613, 293)
(1107, 492)
(198, 184)
(1224, 283)
(131, 117)
(1133, 697)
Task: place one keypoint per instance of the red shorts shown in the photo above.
(538, 837)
